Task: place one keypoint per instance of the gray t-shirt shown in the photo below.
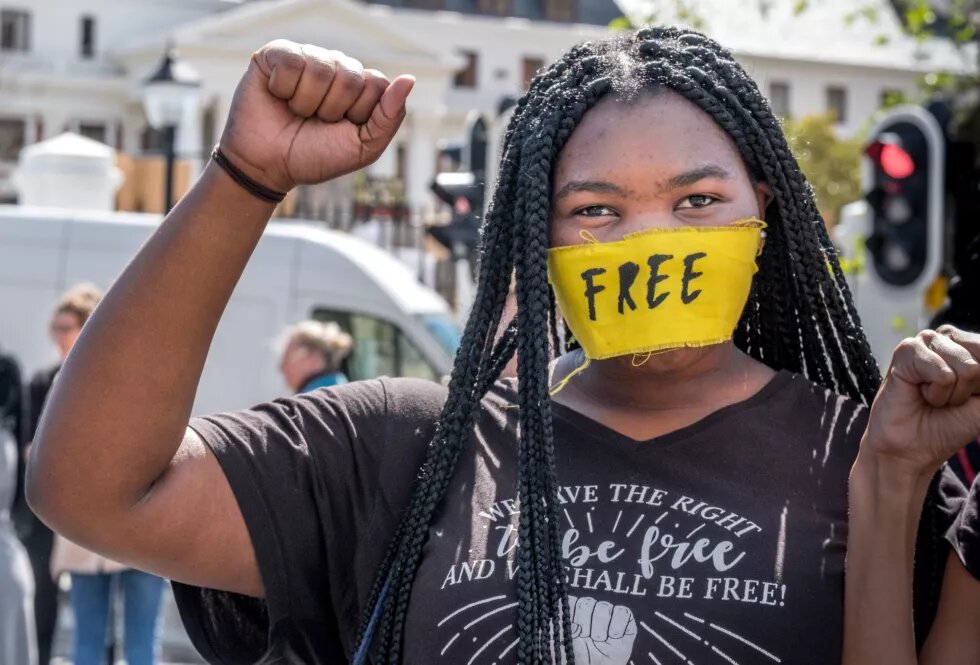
(722, 542)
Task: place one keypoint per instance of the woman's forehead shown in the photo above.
(66, 318)
(653, 136)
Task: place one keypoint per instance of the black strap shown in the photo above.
(254, 188)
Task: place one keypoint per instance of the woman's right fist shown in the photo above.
(302, 115)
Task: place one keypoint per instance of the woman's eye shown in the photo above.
(595, 211)
(697, 201)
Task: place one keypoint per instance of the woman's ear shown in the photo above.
(764, 196)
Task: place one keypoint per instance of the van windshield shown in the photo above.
(443, 329)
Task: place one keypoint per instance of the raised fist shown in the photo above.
(929, 404)
(302, 114)
(602, 633)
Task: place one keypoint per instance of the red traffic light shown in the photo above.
(892, 159)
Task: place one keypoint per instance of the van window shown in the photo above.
(380, 348)
(444, 329)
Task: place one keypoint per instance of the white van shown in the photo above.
(400, 327)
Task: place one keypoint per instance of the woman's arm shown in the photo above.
(928, 406)
(113, 466)
(885, 507)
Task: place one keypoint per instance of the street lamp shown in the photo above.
(172, 89)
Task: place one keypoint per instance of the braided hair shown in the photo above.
(800, 315)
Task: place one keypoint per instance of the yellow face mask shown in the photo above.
(657, 289)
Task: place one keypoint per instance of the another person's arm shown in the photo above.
(929, 406)
(113, 465)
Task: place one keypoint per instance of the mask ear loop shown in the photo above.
(590, 239)
(643, 362)
(564, 382)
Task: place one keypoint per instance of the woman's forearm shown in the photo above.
(885, 502)
(117, 412)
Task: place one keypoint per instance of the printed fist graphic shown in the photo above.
(602, 633)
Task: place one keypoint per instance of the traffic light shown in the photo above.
(905, 183)
(464, 192)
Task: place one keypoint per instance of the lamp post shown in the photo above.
(167, 95)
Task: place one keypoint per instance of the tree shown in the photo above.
(831, 164)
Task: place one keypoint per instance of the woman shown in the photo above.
(70, 314)
(684, 505)
(94, 578)
(313, 355)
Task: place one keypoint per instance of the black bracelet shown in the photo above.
(262, 192)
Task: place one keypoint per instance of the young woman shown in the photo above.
(684, 497)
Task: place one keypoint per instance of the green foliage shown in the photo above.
(919, 17)
(940, 82)
(960, 20)
(832, 165)
(893, 98)
(681, 10)
(621, 23)
(868, 12)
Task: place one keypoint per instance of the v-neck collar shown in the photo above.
(599, 430)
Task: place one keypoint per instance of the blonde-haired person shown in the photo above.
(93, 577)
(70, 313)
(313, 355)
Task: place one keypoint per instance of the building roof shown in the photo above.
(840, 32)
(593, 12)
(222, 30)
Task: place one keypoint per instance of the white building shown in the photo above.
(833, 55)
(78, 65)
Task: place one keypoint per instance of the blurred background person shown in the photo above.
(94, 579)
(18, 642)
(70, 314)
(962, 309)
(313, 355)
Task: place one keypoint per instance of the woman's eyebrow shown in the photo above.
(595, 186)
(692, 176)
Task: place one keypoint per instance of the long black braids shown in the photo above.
(800, 315)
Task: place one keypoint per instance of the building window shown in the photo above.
(779, 98)
(15, 30)
(13, 135)
(466, 77)
(837, 103)
(531, 66)
(495, 7)
(87, 42)
(93, 130)
(558, 10)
